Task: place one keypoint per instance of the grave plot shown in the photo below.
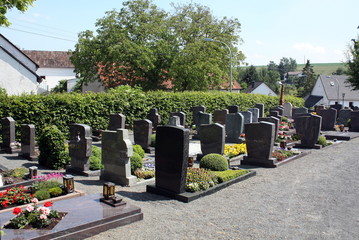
(17, 176)
(175, 180)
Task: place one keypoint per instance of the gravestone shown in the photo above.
(195, 111)
(212, 137)
(80, 147)
(287, 109)
(354, 122)
(233, 109)
(275, 114)
(117, 120)
(8, 135)
(337, 106)
(142, 132)
(174, 121)
(234, 127)
(171, 159)
(255, 114)
(182, 117)
(154, 117)
(274, 120)
(300, 110)
(260, 141)
(219, 116)
(319, 108)
(279, 109)
(117, 150)
(260, 106)
(344, 116)
(28, 142)
(202, 118)
(308, 128)
(329, 118)
(247, 117)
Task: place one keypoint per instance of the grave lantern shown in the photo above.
(68, 181)
(32, 172)
(109, 190)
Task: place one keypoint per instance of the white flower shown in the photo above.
(29, 208)
(43, 216)
(44, 210)
(34, 200)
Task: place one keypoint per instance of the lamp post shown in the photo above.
(230, 57)
(332, 84)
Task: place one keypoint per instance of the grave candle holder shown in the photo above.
(109, 197)
(32, 172)
(68, 181)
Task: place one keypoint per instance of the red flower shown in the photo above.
(48, 204)
(16, 211)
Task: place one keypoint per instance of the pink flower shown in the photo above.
(44, 210)
(43, 216)
(34, 200)
(29, 208)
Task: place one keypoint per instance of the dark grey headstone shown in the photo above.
(234, 127)
(142, 132)
(337, 106)
(8, 135)
(182, 117)
(287, 109)
(174, 121)
(28, 141)
(279, 109)
(319, 108)
(255, 114)
(354, 122)
(300, 110)
(233, 108)
(275, 114)
(329, 118)
(195, 111)
(344, 116)
(80, 147)
(212, 137)
(117, 120)
(260, 106)
(308, 128)
(154, 117)
(172, 146)
(219, 116)
(274, 120)
(259, 141)
(202, 118)
(247, 117)
(117, 150)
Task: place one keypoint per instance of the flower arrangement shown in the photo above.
(280, 155)
(199, 179)
(235, 150)
(50, 176)
(33, 215)
(14, 196)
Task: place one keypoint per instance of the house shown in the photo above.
(54, 66)
(335, 89)
(259, 88)
(17, 71)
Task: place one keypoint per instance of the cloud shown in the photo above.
(259, 42)
(308, 47)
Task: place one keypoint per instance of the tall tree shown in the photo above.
(306, 83)
(21, 5)
(286, 65)
(250, 75)
(353, 65)
(144, 45)
(270, 78)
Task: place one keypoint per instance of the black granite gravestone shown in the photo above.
(260, 106)
(174, 121)
(344, 116)
(354, 121)
(329, 118)
(80, 147)
(274, 120)
(234, 127)
(195, 111)
(279, 109)
(28, 142)
(142, 132)
(300, 110)
(182, 117)
(219, 116)
(202, 118)
(233, 109)
(8, 135)
(154, 117)
(255, 114)
(308, 128)
(117, 120)
(212, 137)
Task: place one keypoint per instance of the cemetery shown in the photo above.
(184, 154)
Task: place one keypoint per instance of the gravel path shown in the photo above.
(313, 197)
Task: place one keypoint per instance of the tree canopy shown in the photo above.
(144, 45)
(21, 5)
(353, 65)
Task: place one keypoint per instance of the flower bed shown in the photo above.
(12, 177)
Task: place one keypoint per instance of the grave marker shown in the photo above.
(117, 120)
(154, 117)
(329, 118)
(219, 116)
(202, 118)
(142, 132)
(233, 109)
(300, 110)
(344, 116)
(182, 117)
(80, 147)
(195, 111)
(255, 114)
(354, 122)
(8, 135)
(212, 137)
(260, 106)
(274, 120)
(287, 109)
(308, 128)
(234, 127)
(28, 142)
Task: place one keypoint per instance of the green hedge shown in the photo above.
(94, 108)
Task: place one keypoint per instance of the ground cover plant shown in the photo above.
(16, 175)
(235, 150)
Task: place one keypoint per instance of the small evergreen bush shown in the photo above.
(96, 159)
(227, 175)
(52, 148)
(214, 162)
(46, 185)
(322, 141)
(138, 149)
(55, 191)
(42, 194)
(136, 162)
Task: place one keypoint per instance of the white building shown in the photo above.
(259, 88)
(17, 71)
(335, 89)
(54, 66)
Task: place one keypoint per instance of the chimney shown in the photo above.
(252, 84)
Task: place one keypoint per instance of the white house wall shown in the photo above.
(15, 78)
(54, 75)
(318, 90)
(263, 89)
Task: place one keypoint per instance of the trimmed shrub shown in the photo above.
(227, 175)
(56, 191)
(214, 162)
(138, 149)
(52, 148)
(46, 185)
(322, 141)
(96, 159)
(145, 174)
(136, 162)
(42, 194)
(153, 140)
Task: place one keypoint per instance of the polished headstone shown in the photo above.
(274, 120)
(154, 117)
(182, 117)
(308, 127)
(260, 106)
(219, 116)
(234, 127)
(354, 122)
(212, 137)
(28, 141)
(117, 120)
(8, 135)
(80, 147)
(195, 111)
(233, 108)
(255, 114)
(142, 132)
(344, 116)
(287, 109)
(329, 118)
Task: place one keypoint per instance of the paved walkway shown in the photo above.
(314, 197)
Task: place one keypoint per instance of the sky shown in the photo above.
(315, 30)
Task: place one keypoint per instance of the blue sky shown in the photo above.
(318, 30)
